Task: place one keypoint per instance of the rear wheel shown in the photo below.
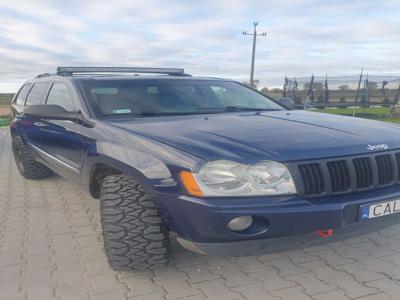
(135, 237)
(26, 164)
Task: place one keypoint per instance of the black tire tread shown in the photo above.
(31, 168)
(135, 237)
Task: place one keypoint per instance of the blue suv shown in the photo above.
(221, 167)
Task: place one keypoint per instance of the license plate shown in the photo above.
(377, 210)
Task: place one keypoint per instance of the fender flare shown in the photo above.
(148, 183)
(92, 161)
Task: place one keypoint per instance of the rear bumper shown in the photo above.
(279, 244)
(203, 222)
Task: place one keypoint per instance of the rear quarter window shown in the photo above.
(37, 93)
(21, 97)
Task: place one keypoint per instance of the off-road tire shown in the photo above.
(26, 164)
(135, 237)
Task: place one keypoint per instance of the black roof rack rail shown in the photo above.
(69, 71)
(43, 75)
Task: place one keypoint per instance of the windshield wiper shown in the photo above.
(244, 108)
(120, 114)
(200, 110)
(175, 113)
(237, 108)
(159, 113)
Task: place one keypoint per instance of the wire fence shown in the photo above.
(343, 91)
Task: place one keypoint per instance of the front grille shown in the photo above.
(397, 155)
(349, 174)
(315, 182)
(363, 172)
(339, 175)
(385, 169)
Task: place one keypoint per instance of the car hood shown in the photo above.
(278, 135)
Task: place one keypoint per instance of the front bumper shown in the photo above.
(292, 220)
(279, 244)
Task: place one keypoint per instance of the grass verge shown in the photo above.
(4, 121)
(369, 111)
(391, 120)
(374, 113)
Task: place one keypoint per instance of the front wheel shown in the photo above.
(135, 237)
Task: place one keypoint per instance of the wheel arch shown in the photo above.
(98, 167)
(97, 174)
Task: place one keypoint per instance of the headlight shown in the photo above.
(227, 178)
(222, 176)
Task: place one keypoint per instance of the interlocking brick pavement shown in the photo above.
(51, 248)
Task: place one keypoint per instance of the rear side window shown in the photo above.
(37, 93)
(22, 94)
(60, 95)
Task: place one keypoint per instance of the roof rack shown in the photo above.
(43, 75)
(69, 71)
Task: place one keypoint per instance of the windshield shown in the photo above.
(172, 97)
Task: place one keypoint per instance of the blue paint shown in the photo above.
(154, 150)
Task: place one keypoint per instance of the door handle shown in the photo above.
(41, 124)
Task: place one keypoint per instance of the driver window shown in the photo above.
(60, 95)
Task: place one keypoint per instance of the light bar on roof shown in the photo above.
(71, 70)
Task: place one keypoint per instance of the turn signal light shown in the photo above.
(190, 184)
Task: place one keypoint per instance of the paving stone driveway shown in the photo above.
(51, 247)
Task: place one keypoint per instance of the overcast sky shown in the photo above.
(204, 37)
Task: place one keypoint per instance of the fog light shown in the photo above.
(240, 223)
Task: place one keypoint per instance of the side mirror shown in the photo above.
(55, 112)
(287, 102)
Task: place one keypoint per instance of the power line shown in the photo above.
(254, 34)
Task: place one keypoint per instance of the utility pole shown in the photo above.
(359, 86)
(254, 34)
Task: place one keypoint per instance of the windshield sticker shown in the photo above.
(122, 111)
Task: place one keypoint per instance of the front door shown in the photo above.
(61, 143)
